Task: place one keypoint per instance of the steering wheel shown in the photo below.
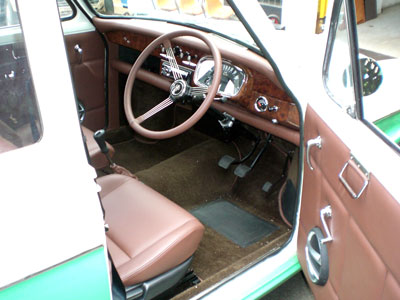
(179, 90)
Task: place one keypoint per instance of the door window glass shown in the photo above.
(337, 67)
(379, 55)
(20, 123)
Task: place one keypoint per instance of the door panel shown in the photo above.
(88, 75)
(363, 256)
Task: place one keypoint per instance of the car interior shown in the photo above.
(212, 166)
(207, 139)
(196, 143)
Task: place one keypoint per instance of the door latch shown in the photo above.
(313, 142)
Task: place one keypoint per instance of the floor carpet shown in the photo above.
(185, 170)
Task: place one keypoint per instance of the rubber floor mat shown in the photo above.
(234, 223)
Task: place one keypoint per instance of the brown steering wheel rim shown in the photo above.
(212, 90)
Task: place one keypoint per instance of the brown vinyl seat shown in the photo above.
(97, 158)
(148, 234)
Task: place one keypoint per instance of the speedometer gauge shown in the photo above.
(232, 78)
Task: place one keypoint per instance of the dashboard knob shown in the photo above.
(188, 56)
(178, 51)
(261, 104)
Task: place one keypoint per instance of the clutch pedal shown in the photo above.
(226, 161)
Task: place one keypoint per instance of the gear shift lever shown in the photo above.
(99, 138)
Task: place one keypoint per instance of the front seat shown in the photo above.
(97, 159)
(150, 239)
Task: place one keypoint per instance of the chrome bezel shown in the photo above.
(256, 107)
(226, 62)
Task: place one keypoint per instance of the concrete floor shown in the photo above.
(382, 35)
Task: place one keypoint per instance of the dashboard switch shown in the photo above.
(273, 108)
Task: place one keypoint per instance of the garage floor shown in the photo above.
(382, 35)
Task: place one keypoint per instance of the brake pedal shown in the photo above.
(226, 161)
(242, 170)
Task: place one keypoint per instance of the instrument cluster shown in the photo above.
(232, 79)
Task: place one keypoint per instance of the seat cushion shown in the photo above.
(148, 234)
(97, 159)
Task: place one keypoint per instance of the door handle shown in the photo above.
(313, 142)
(79, 52)
(326, 212)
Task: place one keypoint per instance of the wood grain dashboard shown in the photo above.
(256, 85)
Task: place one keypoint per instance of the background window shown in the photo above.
(20, 123)
(64, 9)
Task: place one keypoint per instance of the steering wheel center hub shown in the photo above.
(178, 89)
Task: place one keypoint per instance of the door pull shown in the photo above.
(362, 173)
(326, 212)
(313, 142)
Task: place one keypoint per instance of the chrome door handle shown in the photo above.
(313, 142)
(326, 212)
(355, 164)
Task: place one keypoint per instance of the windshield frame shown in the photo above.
(189, 25)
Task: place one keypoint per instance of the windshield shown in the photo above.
(212, 15)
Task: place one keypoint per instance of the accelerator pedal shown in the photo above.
(267, 186)
(226, 161)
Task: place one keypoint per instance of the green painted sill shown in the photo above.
(286, 271)
(391, 126)
(84, 277)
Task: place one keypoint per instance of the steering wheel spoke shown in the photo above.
(176, 72)
(156, 109)
(198, 90)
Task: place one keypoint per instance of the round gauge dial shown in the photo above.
(232, 78)
(261, 104)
